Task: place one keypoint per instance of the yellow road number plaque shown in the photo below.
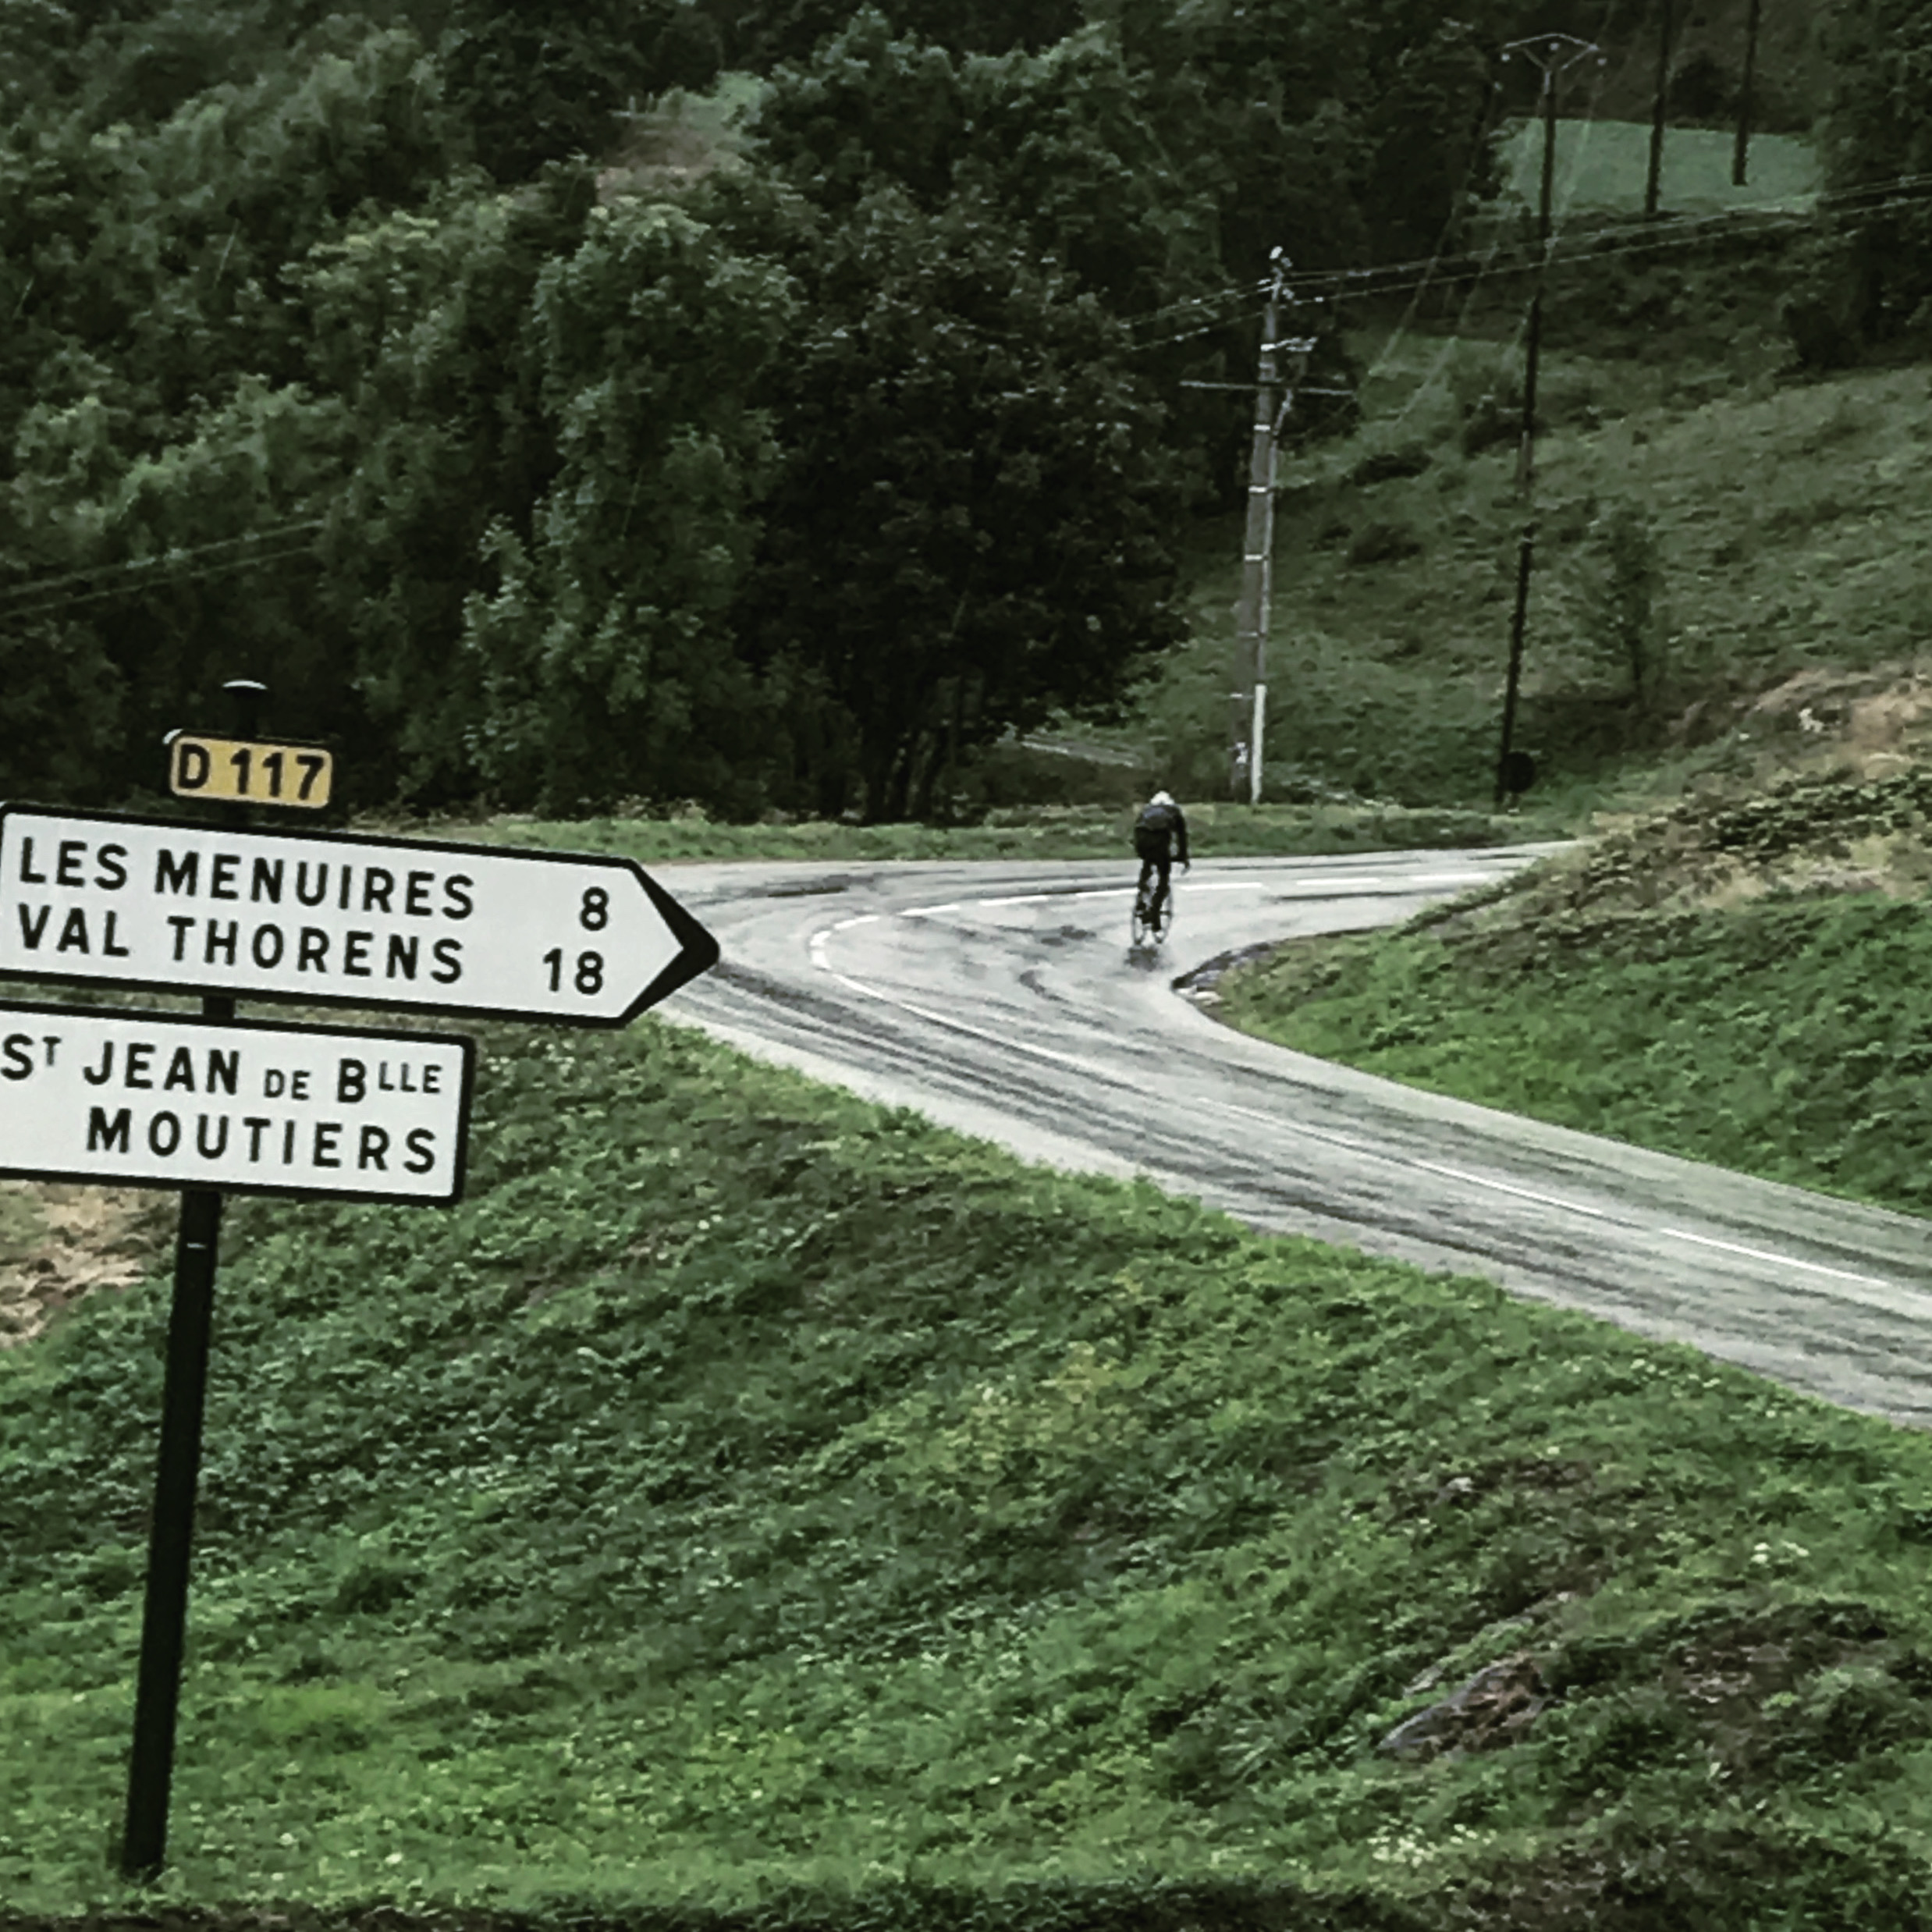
(259, 774)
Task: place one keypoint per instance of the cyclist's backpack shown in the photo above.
(1154, 830)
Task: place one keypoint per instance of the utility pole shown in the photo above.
(1738, 153)
(1551, 53)
(1250, 695)
(1652, 182)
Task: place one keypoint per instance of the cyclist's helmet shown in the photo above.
(1160, 798)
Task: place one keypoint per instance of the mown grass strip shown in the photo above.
(1219, 830)
(752, 1498)
(1785, 1038)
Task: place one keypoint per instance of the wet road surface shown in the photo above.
(1000, 998)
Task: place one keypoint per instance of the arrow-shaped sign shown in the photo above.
(333, 918)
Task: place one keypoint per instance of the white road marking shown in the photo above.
(1574, 1207)
(820, 940)
(980, 1033)
(1505, 1187)
(1788, 1261)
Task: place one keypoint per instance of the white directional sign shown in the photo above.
(331, 918)
(165, 1100)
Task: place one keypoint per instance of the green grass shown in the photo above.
(1602, 166)
(1046, 833)
(749, 1490)
(1784, 1036)
(1793, 527)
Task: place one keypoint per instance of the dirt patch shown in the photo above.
(59, 1243)
(1866, 724)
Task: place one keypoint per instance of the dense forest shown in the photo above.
(331, 359)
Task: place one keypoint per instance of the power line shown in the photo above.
(26, 611)
(15, 595)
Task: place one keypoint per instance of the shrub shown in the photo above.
(1384, 543)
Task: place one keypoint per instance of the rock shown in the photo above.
(1492, 1709)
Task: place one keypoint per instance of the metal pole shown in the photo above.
(1558, 50)
(1258, 738)
(1739, 153)
(1525, 551)
(1653, 181)
(164, 1620)
(177, 1474)
(1533, 348)
(1257, 535)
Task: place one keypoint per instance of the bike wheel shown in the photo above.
(1143, 929)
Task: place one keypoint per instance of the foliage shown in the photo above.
(1030, 832)
(1877, 129)
(773, 32)
(1624, 621)
(606, 664)
(965, 533)
(540, 82)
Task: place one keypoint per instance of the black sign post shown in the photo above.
(177, 1472)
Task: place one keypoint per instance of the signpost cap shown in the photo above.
(247, 693)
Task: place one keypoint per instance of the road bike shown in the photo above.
(1147, 931)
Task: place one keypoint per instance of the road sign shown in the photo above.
(336, 919)
(170, 1100)
(240, 769)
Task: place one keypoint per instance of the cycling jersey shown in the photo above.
(1161, 833)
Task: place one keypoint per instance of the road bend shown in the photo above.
(1002, 1000)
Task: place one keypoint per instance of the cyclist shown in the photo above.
(1160, 836)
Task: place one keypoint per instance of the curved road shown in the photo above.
(1000, 998)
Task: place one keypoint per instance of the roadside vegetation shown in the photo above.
(751, 1500)
(1071, 831)
(1736, 982)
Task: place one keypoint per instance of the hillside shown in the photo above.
(1783, 529)
(1735, 979)
(753, 1508)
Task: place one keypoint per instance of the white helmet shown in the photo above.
(1160, 798)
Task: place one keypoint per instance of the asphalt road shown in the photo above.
(1001, 1000)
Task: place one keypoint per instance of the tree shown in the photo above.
(421, 323)
(1876, 277)
(608, 667)
(774, 31)
(1622, 618)
(1429, 154)
(539, 80)
(968, 532)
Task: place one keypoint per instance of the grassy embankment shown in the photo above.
(1740, 983)
(751, 1496)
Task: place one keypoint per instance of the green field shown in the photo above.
(753, 1500)
(1602, 166)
